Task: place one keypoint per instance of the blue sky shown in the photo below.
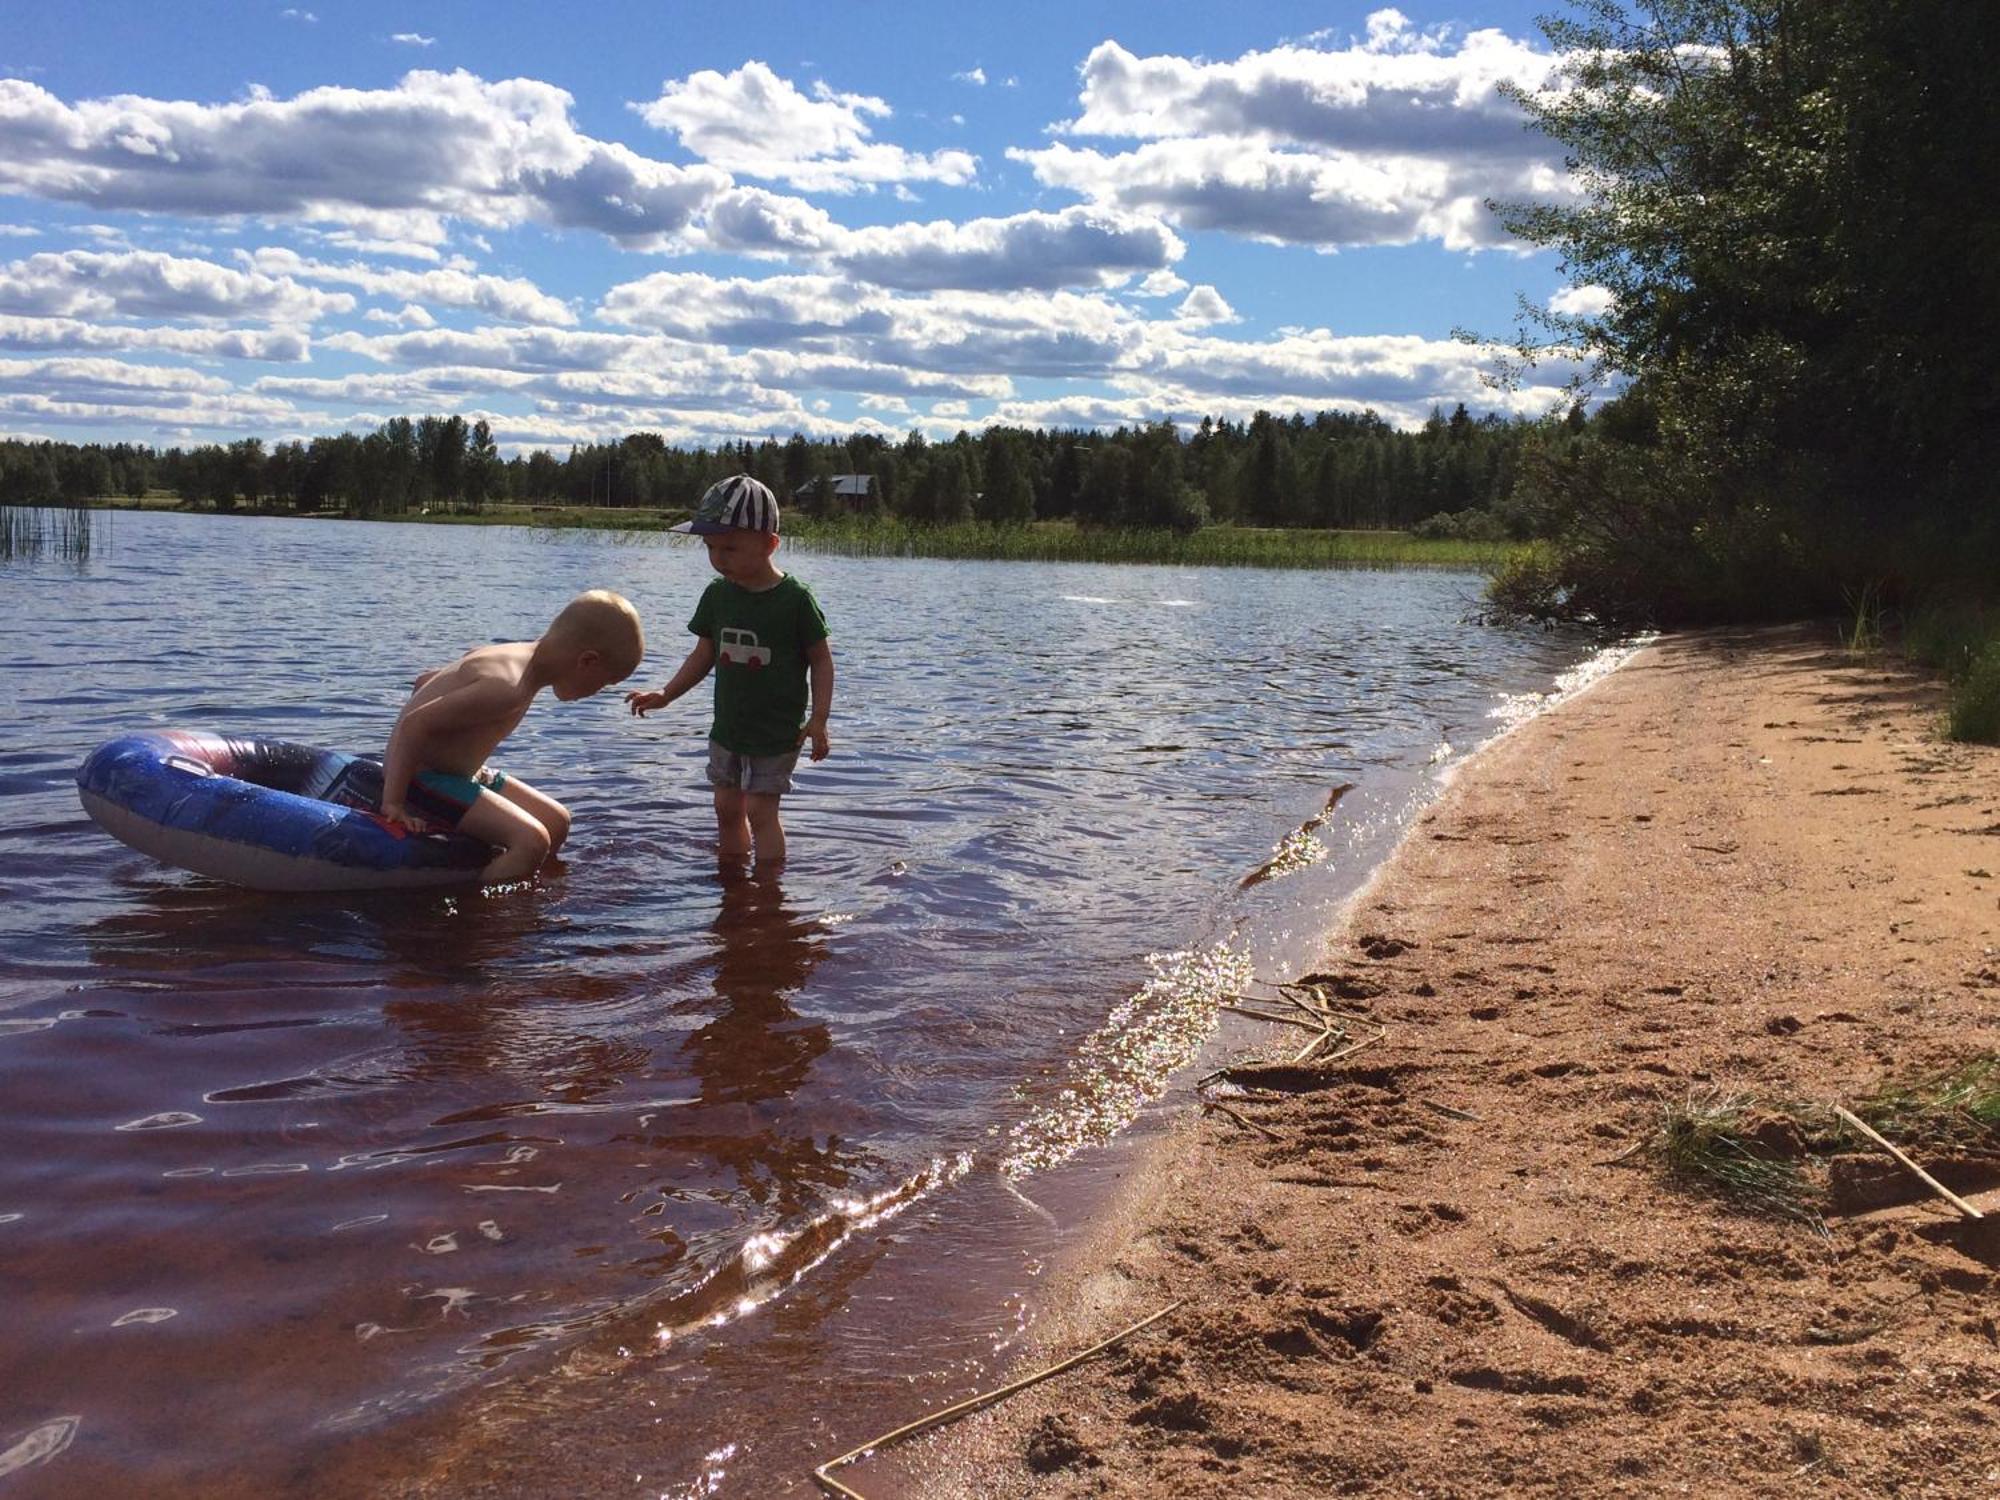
(733, 221)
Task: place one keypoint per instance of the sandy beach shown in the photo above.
(1745, 863)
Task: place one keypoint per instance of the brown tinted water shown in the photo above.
(644, 1179)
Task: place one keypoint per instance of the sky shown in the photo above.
(719, 222)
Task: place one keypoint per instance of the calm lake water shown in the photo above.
(642, 1180)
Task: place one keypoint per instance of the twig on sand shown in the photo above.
(823, 1475)
(1849, 1117)
(1627, 1154)
(1222, 1109)
(1450, 1112)
(1345, 1052)
(1265, 1015)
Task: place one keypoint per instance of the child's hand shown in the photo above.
(815, 731)
(642, 703)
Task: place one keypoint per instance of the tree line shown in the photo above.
(1453, 476)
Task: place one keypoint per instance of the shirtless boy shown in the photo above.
(434, 775)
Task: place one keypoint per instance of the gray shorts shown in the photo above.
(767, 775)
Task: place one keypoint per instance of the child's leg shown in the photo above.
(523, 839)
(761, 811)
(732, 827)
(543, 808)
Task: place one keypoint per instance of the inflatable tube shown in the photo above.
(258, 813)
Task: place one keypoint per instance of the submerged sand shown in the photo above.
(1744, 863)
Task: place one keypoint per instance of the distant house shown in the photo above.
(845, 493)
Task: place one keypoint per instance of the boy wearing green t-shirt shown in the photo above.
(761, 632)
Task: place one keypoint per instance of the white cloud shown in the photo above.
(494, 348)
(754, 123)
(974, 76)
(1581, 302)
(390, 163)
(305, 17)
(1286, 197)
(1205, 305)
(410, 315)
(1392, 140)
(1421, 101)
(91, 392)
(412, 39)
(18, 231)
(509, 297)
(776, 310)
(276, 344)
(1080, 246)
(1161, 283)
(407, 389)
(751, 221)
(148, 284)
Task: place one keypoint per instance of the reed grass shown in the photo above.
(1212, 546)
(28, 531)
(1863, 632)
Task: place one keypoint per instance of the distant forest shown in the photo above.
(1455, 476)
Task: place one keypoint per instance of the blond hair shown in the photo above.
(603, 622)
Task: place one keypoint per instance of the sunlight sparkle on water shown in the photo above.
(1126, 1062)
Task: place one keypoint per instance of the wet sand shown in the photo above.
(1743, 862)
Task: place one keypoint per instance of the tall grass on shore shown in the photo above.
(28, 531)
(1064, 541)
(1212, 546)
(1960, 640)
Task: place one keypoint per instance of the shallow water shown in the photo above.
(291, 1187)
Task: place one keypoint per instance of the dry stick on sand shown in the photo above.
(1220, 1108)
(1921, 1175)
(832, 1486)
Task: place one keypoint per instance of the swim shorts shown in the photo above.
(765, 775)
(436, 802)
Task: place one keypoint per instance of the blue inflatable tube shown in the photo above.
(263, 814)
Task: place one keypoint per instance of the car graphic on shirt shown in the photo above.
(741, 648)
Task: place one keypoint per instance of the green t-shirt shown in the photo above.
(761, 641)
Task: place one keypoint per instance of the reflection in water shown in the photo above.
(752, 1056)
(370, 1151)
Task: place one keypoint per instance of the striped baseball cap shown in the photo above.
(738, 503)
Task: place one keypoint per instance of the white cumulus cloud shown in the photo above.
(508, 297)
(149, 284)
(391, 163)
(1581, 302)
(757, 124)
(1397, 138)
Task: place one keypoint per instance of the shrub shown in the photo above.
(1975, 701)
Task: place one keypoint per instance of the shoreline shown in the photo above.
(1744, 864)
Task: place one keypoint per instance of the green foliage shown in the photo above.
(1775, 194)
(1975, 700)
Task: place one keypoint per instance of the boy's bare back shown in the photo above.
(469, 707)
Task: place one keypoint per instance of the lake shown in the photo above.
(643, 1179)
